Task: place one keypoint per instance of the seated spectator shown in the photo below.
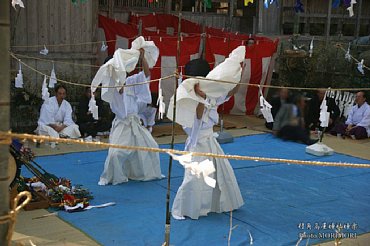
(313, 112)
(89, 127)
(357, 124)
(276, 103)
(56, 116)
(289, 122)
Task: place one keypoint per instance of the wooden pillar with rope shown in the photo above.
(168, 212)
(4, 115)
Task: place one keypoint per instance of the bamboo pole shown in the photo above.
(168, 214)
(4, 114)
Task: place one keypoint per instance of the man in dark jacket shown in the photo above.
(313, 113)
(89, 127)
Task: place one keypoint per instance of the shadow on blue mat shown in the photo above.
(281, 200)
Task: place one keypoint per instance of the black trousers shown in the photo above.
(93, 127)
(294, 133)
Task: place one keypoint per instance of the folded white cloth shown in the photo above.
(114, 72)
(187, 100)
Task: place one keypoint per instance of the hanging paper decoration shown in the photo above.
(269, 2)
(104, 47)
(44, 51)
(93, 108)
(180, 78)
(265, 107)
(346, 3)
(347, 56)
(161, 105)
(298, 7)
(324, 114)
(45, 91)
(360, 67)
(199, 169)
(246, 2)
(311, 48)
(17, 2)
(335, 4)
(19, 78)
(348, 104)
(350, 8)
(53, 78)
(208, 3)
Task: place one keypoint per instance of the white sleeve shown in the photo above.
(68, 115)
(141, 92)
(45, 116)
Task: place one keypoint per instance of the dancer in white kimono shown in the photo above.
(195, 198)
(56, 117)
(121, 164)
(147, 115)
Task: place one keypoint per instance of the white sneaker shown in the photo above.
(96, 139)
(88, 139)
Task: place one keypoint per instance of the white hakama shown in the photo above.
(195, 198)
(121, 165)
(52, 113)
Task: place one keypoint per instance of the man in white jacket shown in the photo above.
(56, 116)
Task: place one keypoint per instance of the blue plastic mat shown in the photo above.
(281, 200)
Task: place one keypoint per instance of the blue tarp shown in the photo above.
(281, 200)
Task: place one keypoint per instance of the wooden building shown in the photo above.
(69, 31)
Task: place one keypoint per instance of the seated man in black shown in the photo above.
(89, 127)
(276, 103)
(289, 123)
(313, 112)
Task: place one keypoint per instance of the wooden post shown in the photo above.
(111, 9)
(231, 14)
(281, 17)
(306, 20)
(259, 7)
(328, 20)
(168, 6)
(358, 18)
(4, 113)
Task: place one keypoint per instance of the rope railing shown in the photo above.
(35, 138)
(187, 76)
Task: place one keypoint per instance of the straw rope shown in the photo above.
(180, 152)
(203, 78)
(11, 217)
(352, 57)
(87, 85)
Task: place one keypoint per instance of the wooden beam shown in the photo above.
(4, 113)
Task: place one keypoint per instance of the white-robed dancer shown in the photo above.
(56, 117)
(195, 198)
(121, 165)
